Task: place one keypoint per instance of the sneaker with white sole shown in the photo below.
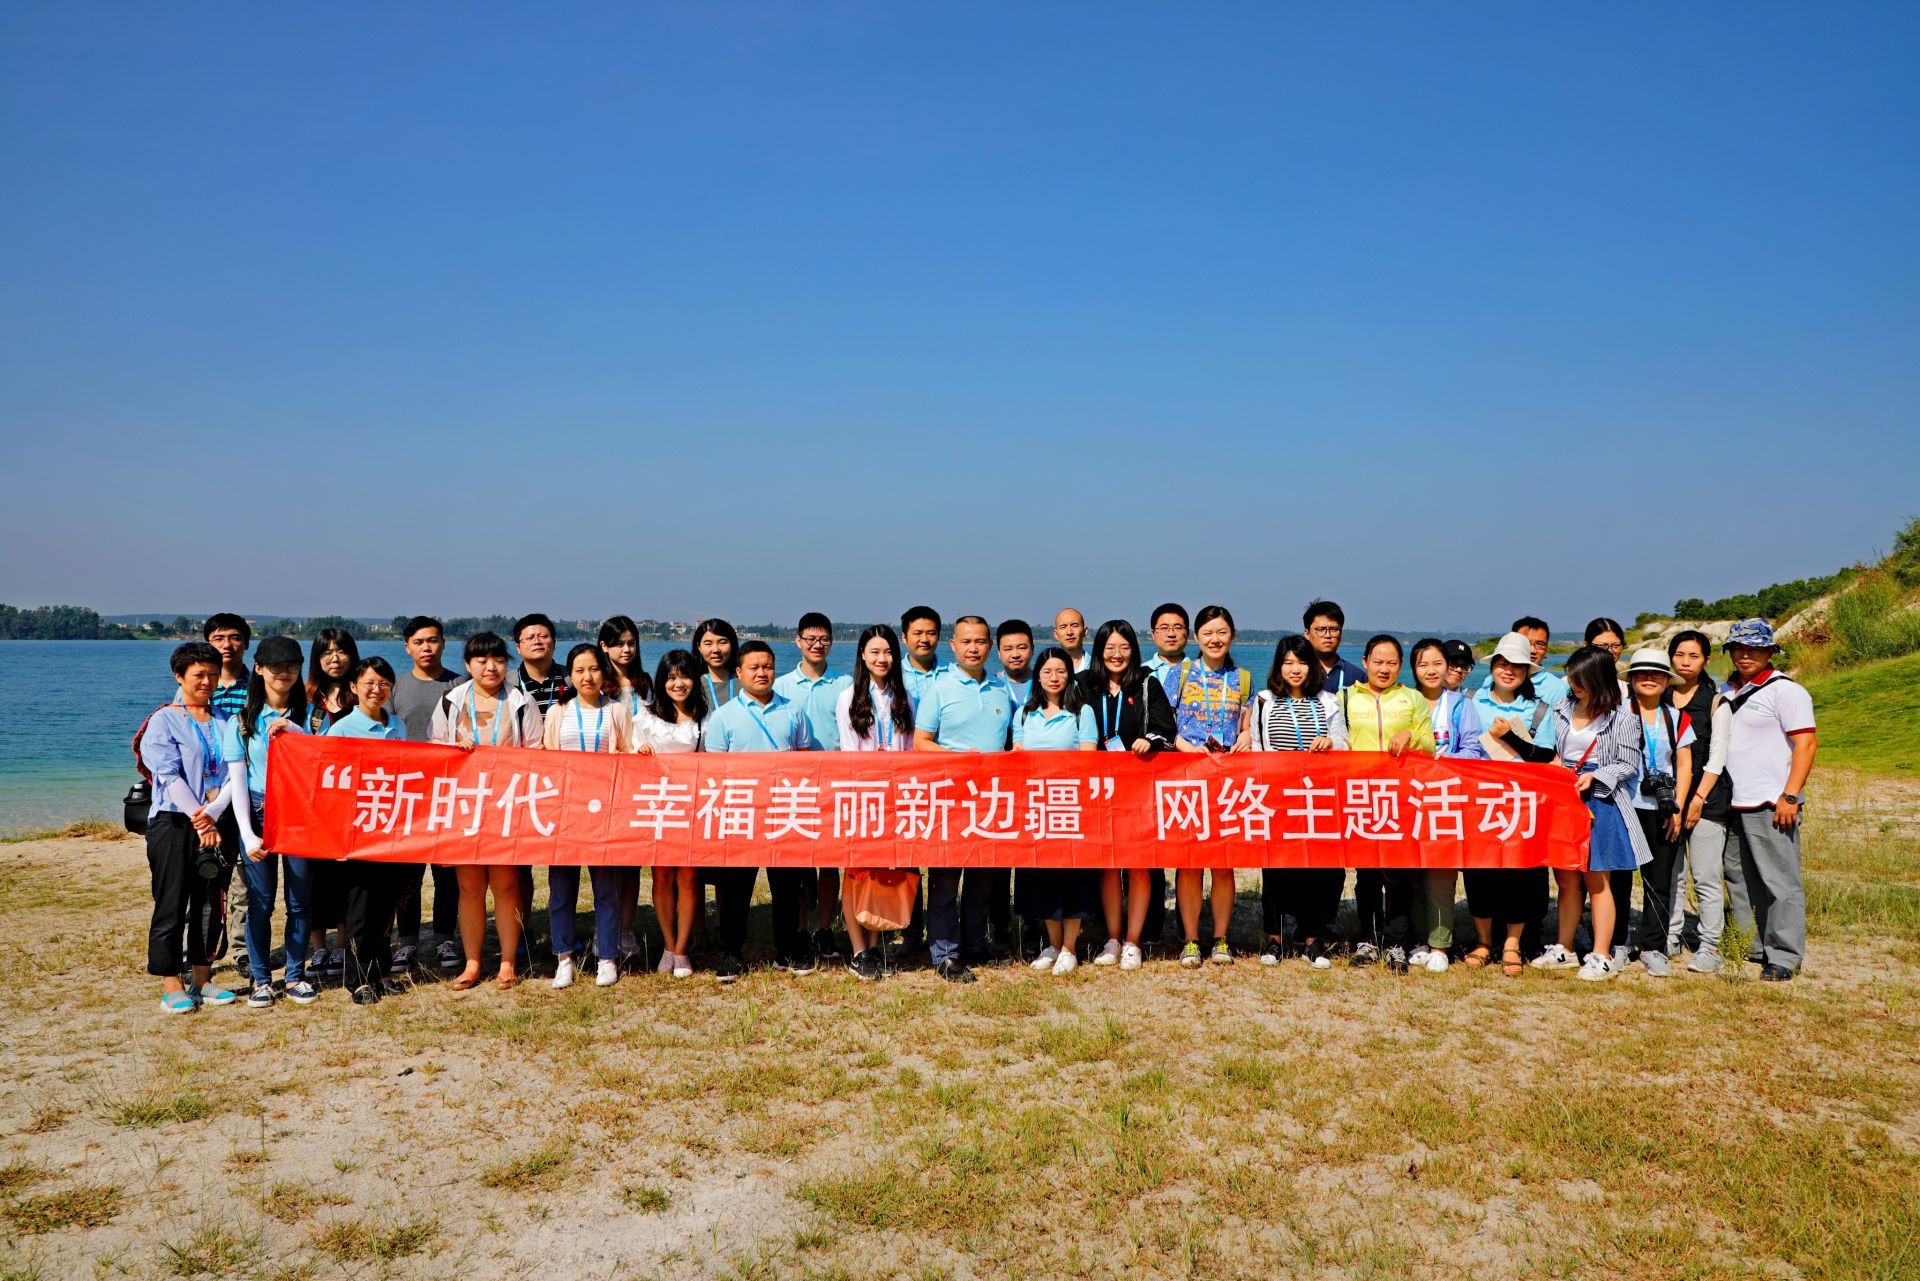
(682, 966)
(1064, 963)
(1271, 953)
(1417, 959)
(1436, 962)
(1222, 954)
(1704, 962)
(1554, 957)
(402, 958)
(261, 997)
(1190, 958)
(1047, 957)
(606, 974)
(563, 973)
(1364, 954)
(1129, 957)
(1621, 956)
(1109, 953)
(1317, 955)
(301, 992)
(1596, 968)
(1656, 964)
(447, 955)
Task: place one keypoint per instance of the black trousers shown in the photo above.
(189, 911)
(372, 891)
(1656, 888)
(787, 888)
(996, 883)
(1369, 904)
(1310, 895)
(446, 904)
(1398, 886)
(732, 900)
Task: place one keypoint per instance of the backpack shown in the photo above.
(138, 801)
(146, 774)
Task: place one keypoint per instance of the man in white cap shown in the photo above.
(1770, 750)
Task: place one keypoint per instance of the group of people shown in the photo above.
(1686, 779)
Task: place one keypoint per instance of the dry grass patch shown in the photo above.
(538, 1171)
(213, 1251)
(85, 1205)
(381, 1240)
(292, 1202)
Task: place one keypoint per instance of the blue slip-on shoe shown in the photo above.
(177, 1003)
(214, 996)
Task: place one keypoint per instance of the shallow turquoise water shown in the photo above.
(68, 710)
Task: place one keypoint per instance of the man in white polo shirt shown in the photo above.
(1770, 749)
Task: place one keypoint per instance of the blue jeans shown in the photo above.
(949, 908)
(563, 896)
(261, 881)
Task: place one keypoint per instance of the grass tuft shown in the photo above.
(353, 1240)
(84, 1206)
(539, 1171)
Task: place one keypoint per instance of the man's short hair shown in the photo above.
(812, 619)
(754, 647)
(533, 620)
(227, 623)
(971, 618)
(917, 614)
(1528, 623)
(420, 623)
(1180, 611)
(1012, 627)
(191, 654)
(1323, 609)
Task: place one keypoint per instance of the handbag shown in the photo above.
(882, 898)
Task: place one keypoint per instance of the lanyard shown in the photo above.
(209, 754)
(580, 725)
(633, 701)
(1299, 734)
(713, 699)
(883, 731)
(754, 711)
(499, 714)
(1653, 749)
(1207, 709)
(1110, 714)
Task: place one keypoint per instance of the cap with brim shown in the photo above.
(1650, 659)
(276, 651)
(1516, 649)
(1754, 633)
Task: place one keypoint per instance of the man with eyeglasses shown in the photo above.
(1169, 626)
(816, 692)
(1323, 623)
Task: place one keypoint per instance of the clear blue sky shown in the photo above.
(742, 309)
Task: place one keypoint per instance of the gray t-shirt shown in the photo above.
(414, 701)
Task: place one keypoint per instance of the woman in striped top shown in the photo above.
(1294, 713)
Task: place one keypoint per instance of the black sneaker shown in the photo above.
(1317, 955)
(781, 961)
(1397, 959)
(366, 994)
(261, 997)
(1364, 954)
(953, 971)
(827, 946)
(728, 969)
(867, 966)
(1775, 974)
(805, 963)
(1271, 953)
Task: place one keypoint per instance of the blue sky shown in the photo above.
(1450, 312)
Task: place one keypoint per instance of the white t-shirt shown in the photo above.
(882, 738)
(1766, 715)
(663, 737)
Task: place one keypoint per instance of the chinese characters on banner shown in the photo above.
(356, 798)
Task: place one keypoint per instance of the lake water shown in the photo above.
(68, 710)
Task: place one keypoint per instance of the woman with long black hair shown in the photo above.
(1132, 714)
(1055, 719)
(672, 725)
(874, 714)
(718, 646)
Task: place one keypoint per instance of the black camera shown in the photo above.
(212, 862)
(135, 804)
(1661, 788)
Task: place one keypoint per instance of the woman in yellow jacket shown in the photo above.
(1382, 716)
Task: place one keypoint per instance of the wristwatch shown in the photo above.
(1794, 797)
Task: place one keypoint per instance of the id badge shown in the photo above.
(1115, 745)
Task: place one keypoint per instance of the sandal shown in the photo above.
(1510, 962)
(507, 982)
(462, 983)
(1478, 957)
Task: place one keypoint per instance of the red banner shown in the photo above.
(333, 797)
(414, 803)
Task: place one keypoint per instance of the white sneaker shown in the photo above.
(1110, 954)
(683, 967)
(1436, 962)
(1596, 968)
(563, 973)
(1418, 957)
(1064, 964)
(606, 975)
(1047, 957)
(1129, 957)
(1554, 958)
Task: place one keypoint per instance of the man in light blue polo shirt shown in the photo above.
(920, 641)
(1550, 686)
(817, 693)
(759, 720)
(962, 710)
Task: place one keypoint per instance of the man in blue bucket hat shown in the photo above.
(1770, 749)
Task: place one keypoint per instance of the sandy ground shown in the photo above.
(1223, 1122)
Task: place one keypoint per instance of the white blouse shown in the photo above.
(662, 736)
(883, 738)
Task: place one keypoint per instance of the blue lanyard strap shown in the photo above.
(754, 711)
(1111, 715)
(209, 753)
(580, 724)
(473, 715)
